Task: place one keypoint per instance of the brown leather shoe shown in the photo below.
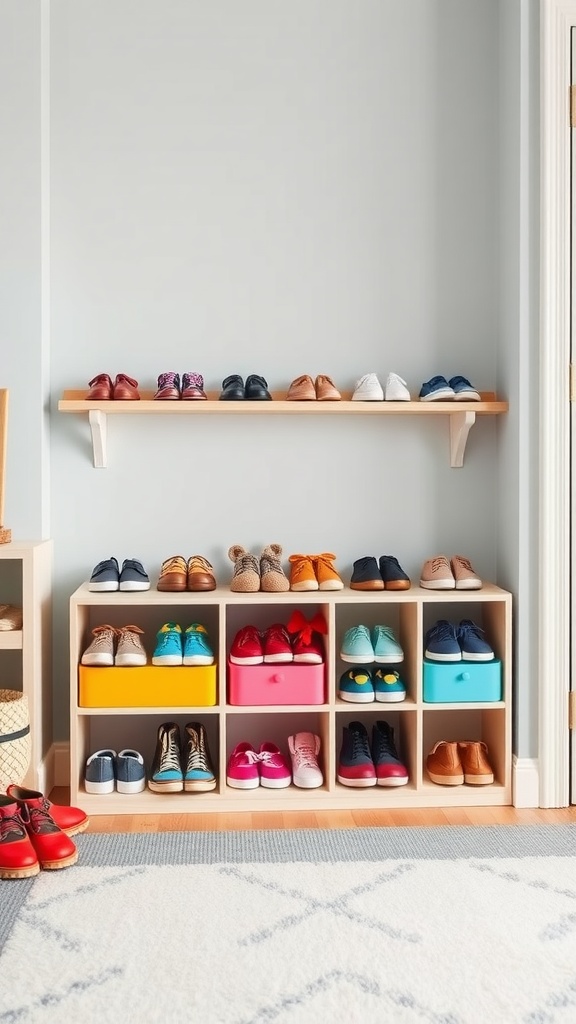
(326, 390)
(125, 388)
(301, 390)
(193, 387)
(173, 574)
(168, 389)
(101, 388)
(474, 758)
(444, 765)
(200, 574)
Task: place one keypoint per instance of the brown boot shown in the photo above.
(444, 765)
(477, 768)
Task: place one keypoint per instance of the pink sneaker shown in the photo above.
(304, 749)
(307, 642)
(246, 647)
(274, 770)
(242, 772)
(277, 647)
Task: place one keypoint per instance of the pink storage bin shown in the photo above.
(276, 684)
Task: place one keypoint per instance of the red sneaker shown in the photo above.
(17, 855)
(307, 642)
(277, 647)
(246, 647)
(53, 847)
(70, 819)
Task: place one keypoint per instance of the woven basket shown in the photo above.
(15, 740)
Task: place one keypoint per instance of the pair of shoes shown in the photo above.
(174, 647)
(108, 576)
(30, 839)
(106, 771)
(249, 768)
(70, 819)
(10, 616)
(445, 642)
(115, 646)
(360, 685)
(363, 646)
(314, 572)
(361, 764)
(178, 574)
(102, 389)
(458, 389)
(170, 388)
(252, 574)
(439, 573)
(299, 642)
(304, 389)
(369, 389)
(178, 767)
(234, 389)
(453, 763)
(384, 574)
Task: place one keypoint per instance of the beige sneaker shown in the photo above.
(443, 764)
(246, 575)
(130, 652)
(101, 650)
(476, 766)
(465, 576)
(10, 616)
(273, 579)
(437, 574)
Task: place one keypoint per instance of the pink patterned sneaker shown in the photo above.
(242, 771)
(277, 646)
(247, 647)
(274, 770)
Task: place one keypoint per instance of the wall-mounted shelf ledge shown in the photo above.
(462, 415)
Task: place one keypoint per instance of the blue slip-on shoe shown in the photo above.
(130, 772)
(441, 642)
(199, 774)
(387, 650)
(472, 643)
(105, 576)
(392, 573)
(463, 390)
(168, 650)
(197, 650)
(99, 776)
(366, 574)
(357, 646)
(133, 576)
(167, 775)
(388, 687)
(356, 686)
(437, 389)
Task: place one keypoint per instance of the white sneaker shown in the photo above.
(396, 390)
(304, 748)
(368, 389)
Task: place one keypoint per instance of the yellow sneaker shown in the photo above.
(328, 578)
(302, 575)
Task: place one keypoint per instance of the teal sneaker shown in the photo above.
(388, 687)
(387, 650)
(168, 650)
(199, 774)
(357, 646)
(197, 650)
(166, 775)
(356, 686)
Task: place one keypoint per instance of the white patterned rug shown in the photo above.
(430, 925)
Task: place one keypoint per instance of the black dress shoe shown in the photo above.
(233, 388)
(257, 388)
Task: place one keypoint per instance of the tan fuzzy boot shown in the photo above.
(246, 576)
(273, 577)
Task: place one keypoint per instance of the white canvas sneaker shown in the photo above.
(304, 748)
(368, 389)
(396, 389)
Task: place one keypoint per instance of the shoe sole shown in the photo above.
(98, 660)
(357, 659)
(174, 786)
(446, 780)
(32, 869)
(245, 587)
(279, 659)
(479, 780)
(367, 585)
(306, 784)
(138, 786)
(134, 587)
(106, 587)
(55, 865)
(74, 830)
(100, 788)
(392, 782)
(275, 783)
(242, 783)
(300, 588)
(356, 698)
(477, 657)
(198, 659)
(388, 659)
(397, 585)
(130, 661)
(167, 659)
(256, 660)
(356, 783)
(198, 786)
(467, 396)
(439, 396)
(442, 657)
(390, 698)
(438, 584)
(308, 659)
(473, 584)
(331, 585)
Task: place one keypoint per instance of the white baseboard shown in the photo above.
(525, 782)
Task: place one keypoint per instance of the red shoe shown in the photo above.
(125, 388)
(17, 855)
(277, 647)
(53, 847)
(307, 642)
(101, 388)
(246, 647)
(70, 819)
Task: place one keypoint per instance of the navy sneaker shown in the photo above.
(472, 643)
(105, 576)
(463, 390)
(389, 768)
(133, 576)
(366, 574)
(441, 642)
(392, 573)
(356, 685)
(355, 766)
(437, 389)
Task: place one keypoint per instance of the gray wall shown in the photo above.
(313, 186)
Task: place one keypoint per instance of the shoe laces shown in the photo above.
(168, 380)
(440, 562)
(464, 563)
(167, 639)
(103, 636)
(246, 563)
(193, 380)
(326, 559)
(247, 636)
(360, 743)
(384, 632)
(443, 630)
(41, 821)
(130, 635)
(199, 562)
(177, 562)
(252, 756)
(467, 627)
(358, 633)
(11, 828)
(305, 756)
(385, 742)
(170, 754)
(197, 755)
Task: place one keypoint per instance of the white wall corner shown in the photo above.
(525, 782)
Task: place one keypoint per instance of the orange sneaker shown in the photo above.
(302, 575)
(328, 578)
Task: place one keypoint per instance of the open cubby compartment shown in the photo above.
(489, 615)
(275, 725)
(471, 722)
(403, 616)
(404, 722)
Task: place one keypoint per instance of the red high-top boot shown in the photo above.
(70, 819)
(17, 855)
(54, 848)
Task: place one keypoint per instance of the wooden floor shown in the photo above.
(217, 822)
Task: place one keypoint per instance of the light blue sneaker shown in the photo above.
(387, 650)
(197, 650)
(168, 650)
(388, 687)
(357, 646)
(356, 686)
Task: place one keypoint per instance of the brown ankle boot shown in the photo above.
(477, 768)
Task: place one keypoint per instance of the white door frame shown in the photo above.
(557, 17)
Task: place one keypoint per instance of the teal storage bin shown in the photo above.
(461, 682)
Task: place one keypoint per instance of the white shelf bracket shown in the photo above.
(460, 423)
(97, 420)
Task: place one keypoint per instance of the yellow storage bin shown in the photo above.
(150, 686)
